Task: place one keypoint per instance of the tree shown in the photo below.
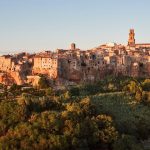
(138, 95)
(49, 91)
(127, 142)
(146, 97)
(135, 89)
(106, 130)
(43, 83)
(146, 85)
(74, 91)
(14, 87)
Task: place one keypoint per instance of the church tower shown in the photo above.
(73, 46)
(131, 40)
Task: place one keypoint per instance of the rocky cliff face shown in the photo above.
(14, 69)
(18, 77)
(6, 79)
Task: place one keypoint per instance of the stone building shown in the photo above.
(75, 65)
(45, 64)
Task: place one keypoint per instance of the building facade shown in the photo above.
(77, 65)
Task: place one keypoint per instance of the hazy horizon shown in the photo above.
(34, 25)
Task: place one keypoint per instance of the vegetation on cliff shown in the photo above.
(112, 114)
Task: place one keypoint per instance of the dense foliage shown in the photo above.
(112, 114)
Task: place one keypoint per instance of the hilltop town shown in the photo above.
(75, 65)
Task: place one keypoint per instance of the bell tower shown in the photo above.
(131, 40)
(73, 46)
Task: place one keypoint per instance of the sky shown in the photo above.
(35, 25)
